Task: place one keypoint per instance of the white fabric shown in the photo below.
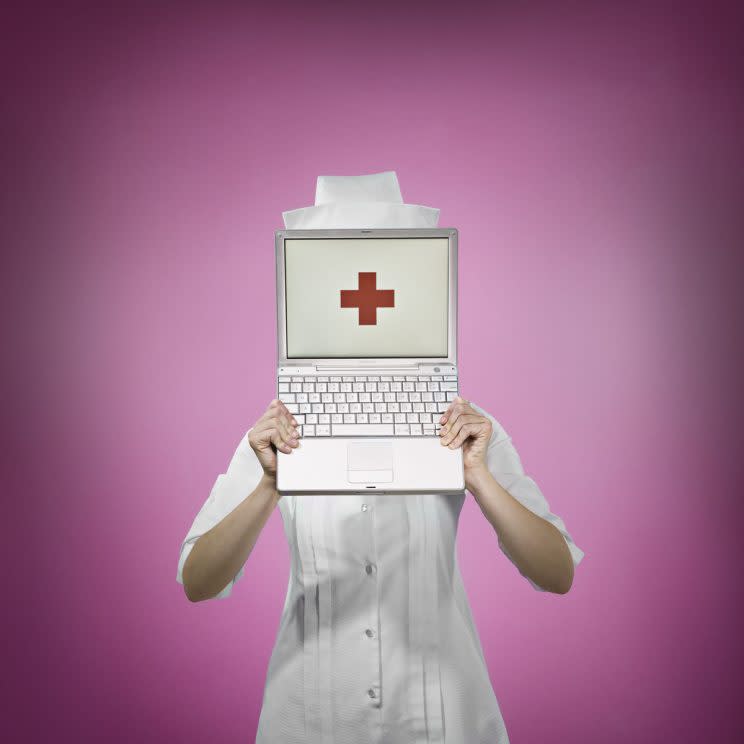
(387, 565)
(382, 187)
(353, 215)
(424, 662)
(356, 202)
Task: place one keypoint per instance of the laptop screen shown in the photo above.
(366, 297)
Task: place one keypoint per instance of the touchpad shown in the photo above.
(370, 462)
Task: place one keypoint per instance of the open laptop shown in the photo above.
(367, 359)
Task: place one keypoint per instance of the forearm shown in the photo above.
(536, 546)
(218, 555)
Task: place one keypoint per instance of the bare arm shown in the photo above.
(535, 546)
(218, 555)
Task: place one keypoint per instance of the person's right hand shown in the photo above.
(276, 429)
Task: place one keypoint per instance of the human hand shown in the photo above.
(276, 429)
(463, 425)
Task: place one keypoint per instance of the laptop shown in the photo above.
(367, 359)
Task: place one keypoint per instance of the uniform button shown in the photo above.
(368, 568)
(364, 507)
(369, 632)
(371, 693)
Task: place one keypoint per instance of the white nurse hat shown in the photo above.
(373, 200)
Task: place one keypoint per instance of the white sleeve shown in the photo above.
(230, 489)
(504, 464)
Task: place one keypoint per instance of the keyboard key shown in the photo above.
(402, 429)
(416, 430)
(448, 386)
(356, 430)
(322, 430)
(308, 430)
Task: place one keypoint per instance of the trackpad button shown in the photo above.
(370, 462)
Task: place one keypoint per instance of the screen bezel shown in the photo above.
(432, 232)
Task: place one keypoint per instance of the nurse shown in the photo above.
(376, 641)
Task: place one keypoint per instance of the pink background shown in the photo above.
(592, 160)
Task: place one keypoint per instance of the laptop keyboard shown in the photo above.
(367, 405)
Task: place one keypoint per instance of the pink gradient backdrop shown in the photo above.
(591, 158)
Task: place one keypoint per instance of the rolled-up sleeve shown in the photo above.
(505, 465)
(229, 490)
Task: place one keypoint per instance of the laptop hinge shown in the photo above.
(320, 367)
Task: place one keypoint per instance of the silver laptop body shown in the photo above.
(367, 359)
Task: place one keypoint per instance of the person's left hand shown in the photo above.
(463, 425)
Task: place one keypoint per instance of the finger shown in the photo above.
(288, 413)
(266, 432)
(456, 401)
(466, 431)
(449, 432)
(279, 443)
(284, 424)
(458, 409)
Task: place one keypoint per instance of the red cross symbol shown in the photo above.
(367, 298)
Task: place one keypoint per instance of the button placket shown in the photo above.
(374, 690)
